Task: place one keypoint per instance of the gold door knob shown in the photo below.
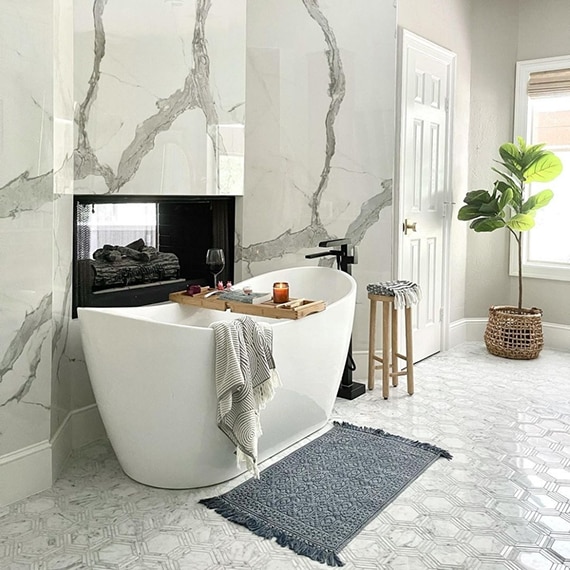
(411, 226)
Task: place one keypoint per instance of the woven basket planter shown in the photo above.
(511, 333)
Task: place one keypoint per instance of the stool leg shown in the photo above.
(385, 348)
(371, 344)
(409, 351)
(395, 359)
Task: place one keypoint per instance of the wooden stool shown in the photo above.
(389, 359)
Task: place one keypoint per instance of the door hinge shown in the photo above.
(441, 314)
(447, 208)
(447, 104)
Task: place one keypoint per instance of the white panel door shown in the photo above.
(427, 80)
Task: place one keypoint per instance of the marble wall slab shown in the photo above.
(63, 142)
(319, 136)
(160, 96)
(26, 222)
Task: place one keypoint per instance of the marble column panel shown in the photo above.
(62, 381)
(26, 215)
(160, 90)
(320, 136)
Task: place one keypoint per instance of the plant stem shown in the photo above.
(518, 237)
(519, 247)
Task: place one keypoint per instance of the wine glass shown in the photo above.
(215, 261)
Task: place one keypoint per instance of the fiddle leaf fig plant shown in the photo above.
(508, 205)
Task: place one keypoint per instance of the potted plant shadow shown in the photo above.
(513, 332)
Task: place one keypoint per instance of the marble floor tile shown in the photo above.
(503, 502)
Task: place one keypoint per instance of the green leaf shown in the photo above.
(514, 169)
(537, 201)
(476, 197)
(468, 213)
(506, 197)
(487, 224)
(516, 173)
(509, 152)
(545, 169)
(522, 143)
(490, 208)
(502, 186)
(521, 222)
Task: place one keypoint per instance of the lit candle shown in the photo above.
(280, 292)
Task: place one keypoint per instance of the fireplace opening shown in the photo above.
(136, 250)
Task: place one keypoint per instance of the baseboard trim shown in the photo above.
(25, 472)
(33, 469)
(87, 426)
(80, 427)
(465, 330)
(556, 336)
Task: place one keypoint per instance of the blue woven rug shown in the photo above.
(318, 498)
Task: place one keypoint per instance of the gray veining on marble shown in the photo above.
(25, 194)
(287, 242)
(196, 93)
(336, 92)
(32, 322)
(292, 242)
(33, 363)
(26, 339)
(370, 213)
(503, 502)
(61, 325)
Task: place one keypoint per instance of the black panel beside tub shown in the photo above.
(136, 250)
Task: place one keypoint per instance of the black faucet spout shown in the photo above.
(343, 259)
(321, 254)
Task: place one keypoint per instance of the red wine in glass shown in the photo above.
(215, 261)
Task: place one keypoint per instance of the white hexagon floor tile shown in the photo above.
(502, 503)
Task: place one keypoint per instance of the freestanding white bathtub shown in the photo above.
(152, 372)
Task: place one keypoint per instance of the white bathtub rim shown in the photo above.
(131, 312)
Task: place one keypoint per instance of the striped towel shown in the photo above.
(405, 293)
(246, 379)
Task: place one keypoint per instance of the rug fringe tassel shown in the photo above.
(378, 431)
(264, 530)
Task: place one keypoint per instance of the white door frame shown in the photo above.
(406, 39)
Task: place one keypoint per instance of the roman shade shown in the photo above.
(549, 82)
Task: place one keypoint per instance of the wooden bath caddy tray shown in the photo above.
(294, 309)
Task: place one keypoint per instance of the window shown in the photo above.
(542, 115)
(115, 224)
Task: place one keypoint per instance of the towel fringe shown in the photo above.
(264, 530)
(414, 443)
(250, 462)
(265, 392)
(405, 293)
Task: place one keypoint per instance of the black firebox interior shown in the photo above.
(184, 226)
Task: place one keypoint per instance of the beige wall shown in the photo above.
(544, 28)
(544, 31)
(447, 23)
(494, 44)
(504, 32)
(488, 38)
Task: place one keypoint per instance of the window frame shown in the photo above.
(522, 127)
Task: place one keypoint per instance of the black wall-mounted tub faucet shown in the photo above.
(345, 256)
